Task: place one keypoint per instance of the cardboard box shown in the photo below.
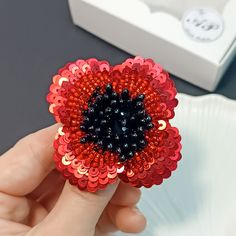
(197, 56)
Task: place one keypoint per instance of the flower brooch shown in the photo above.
(115, 123)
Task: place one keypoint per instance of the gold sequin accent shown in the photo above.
(62, 79)
(162, 124)
(60, 132)
(65, 161)
(121, 169)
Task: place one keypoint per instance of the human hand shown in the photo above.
(36, 201)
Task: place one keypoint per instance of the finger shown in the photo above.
(76, 212)
(36, 215)
(126, 195)
(21, 210)
(25, 165)
(126, 219)
(45, 194)
(12, 228)
(105, 225)
(14, 208)
(115, 218)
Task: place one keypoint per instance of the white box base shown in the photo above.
(129, 25)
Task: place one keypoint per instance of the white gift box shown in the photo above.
(195, 43)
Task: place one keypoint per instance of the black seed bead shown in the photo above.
(95, 106)
(124, 122)
(82, 127)
(122, 102)
(91, 128)
(116, 138)
(118, 150)
(140, 97)
(142, 143)
(122, 114)
(141, 136)
(117, 111)
(95, 94)
(140, 129)
(85, 112)
(141, 113)
(100, 142)
(125, 94)
(110, 146)
(105, 97)
(125, 146)
(98, 130)
(88, 137)
(134, 146)
(98, 98)
(129, 103)
(101, 113)
(148, 118)
(86, 120)
(91, 110)
(109, 130)
(122, 158)
(95, 121)
(108, 110)
(150, 125)
(114, 96)
(130, 154)
(94, 137)
(134, 135)
(113, 103)
(132, 119)
(83, 140)
(124, 129)
(143, 121)
(103, 122)
(139, 105)
(109, 89)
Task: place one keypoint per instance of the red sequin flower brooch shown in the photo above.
(115, 123)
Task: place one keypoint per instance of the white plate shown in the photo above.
(200, 197)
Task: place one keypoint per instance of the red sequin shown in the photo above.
(93, 170)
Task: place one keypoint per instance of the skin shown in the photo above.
(36, 201)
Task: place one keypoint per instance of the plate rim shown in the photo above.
(210, 96)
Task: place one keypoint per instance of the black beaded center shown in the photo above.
(116, 122)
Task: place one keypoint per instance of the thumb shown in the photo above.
(76, 212)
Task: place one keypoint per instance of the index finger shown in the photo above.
(24, 166)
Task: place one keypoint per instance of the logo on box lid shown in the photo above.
(203, 24)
